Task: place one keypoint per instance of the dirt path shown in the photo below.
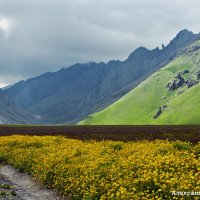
(7, 191)
(22, 187)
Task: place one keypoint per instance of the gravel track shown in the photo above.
(22, 187)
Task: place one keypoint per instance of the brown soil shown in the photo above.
(123, 133)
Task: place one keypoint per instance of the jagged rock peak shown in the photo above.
(141, 51)
(184, 33)
(184, 36)
(88, 64)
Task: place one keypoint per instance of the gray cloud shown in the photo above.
(45, 35)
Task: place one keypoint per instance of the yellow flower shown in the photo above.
(107, 169)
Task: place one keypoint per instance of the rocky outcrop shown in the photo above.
(163, 98)
(186, 72)
(191, 83)
(159, 112)
(179, 81)
(180, 92)
(198, 75)
(176, 83)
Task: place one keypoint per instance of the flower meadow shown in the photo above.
(107, 169)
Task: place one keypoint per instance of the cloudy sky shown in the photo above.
(45, 35)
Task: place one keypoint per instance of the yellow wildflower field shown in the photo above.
(107, 169)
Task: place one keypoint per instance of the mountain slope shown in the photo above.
(10, 114)
(69, 95)
(169, 96)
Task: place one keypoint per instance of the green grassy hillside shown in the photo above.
(181, 106)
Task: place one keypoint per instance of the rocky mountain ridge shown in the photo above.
(170, 96)
(71, 94)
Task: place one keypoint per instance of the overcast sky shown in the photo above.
(45, 35)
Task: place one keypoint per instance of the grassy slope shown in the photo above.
(184, 109)
(139, 105)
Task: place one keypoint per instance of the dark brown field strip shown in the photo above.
(124, 133)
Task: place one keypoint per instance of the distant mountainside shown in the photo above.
(10, 114)
(69, 95)
(169, 96)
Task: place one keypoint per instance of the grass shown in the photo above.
(140, 105)
(184, 109)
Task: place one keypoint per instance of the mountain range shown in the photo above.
(72, 94)
(169, 96)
